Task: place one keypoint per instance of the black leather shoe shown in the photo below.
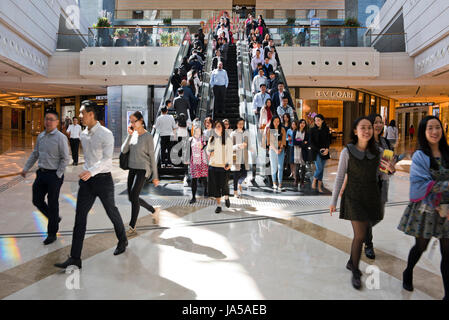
(69, 262)
(350, 267)
(356, 281)
(50, 239)
(407, 280)
(369, 252)
(218, 210)
(227, 203)
(193, 200)
(121, 247)
(59, 219)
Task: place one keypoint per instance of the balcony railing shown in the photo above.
(137, 37)
(331, 36)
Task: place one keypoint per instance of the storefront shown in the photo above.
(408, 114)
(339, 106)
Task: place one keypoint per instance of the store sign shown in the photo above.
(36, 99)
(327, 94)
(101, 97)
(417, 104)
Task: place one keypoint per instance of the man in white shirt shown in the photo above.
(95, 181)
(166, 126)
(272, 60)
(257, 81)
(260, 98)
(259, 47)
(256, 60)
(74, 132)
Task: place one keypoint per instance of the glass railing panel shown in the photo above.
(335, 36)
(136, 37)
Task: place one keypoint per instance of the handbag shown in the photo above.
(124, 158)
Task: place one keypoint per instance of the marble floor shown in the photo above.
(265, 246)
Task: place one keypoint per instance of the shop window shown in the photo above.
(332, 14)
(196, 14)
(176, 14)
(290, 13)
(269, 14)
(138, 14)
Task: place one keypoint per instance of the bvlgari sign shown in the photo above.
(327, 94)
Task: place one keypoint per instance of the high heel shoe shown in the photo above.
(356, 279)
(407, 280)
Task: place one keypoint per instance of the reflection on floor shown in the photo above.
(267, 245)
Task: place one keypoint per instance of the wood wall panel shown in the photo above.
(173, 4)
(300, 4)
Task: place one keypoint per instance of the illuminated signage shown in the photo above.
(417, 104)
(327, 94)
(36, 99)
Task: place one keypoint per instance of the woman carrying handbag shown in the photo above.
(139, 146)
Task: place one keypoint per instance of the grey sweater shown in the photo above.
(141, 153)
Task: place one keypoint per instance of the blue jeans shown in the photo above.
(277, 165)
(319, 171)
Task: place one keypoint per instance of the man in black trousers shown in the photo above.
(74, 132)
(219, 82)
(52, 153)
(95, 181)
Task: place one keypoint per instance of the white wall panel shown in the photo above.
(157, 61)
(306, 62)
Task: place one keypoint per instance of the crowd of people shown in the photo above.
(212, 151)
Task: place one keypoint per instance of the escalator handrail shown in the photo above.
(183, 50)
(206, 90)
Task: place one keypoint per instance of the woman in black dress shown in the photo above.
(361, 200)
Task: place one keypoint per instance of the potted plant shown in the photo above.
(166, 21)
(102, 26)
(351, 31)
(290, 21)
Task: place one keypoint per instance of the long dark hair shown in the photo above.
(324, 124)
(289, 119)
(182, 120)
(372, 117)
(306, 128)
(238, 120)
(392, 123)
(279, 127)
(223, 133)
(371, 143)
(424, 146)
(139, 116)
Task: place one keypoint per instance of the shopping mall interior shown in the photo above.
(343, 59)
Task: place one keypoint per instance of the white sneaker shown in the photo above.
(280, 189)
(275, 187)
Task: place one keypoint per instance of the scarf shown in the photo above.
(421, 181)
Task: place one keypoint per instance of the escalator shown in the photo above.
(232, 111)
(259, 157)
(177, 171)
